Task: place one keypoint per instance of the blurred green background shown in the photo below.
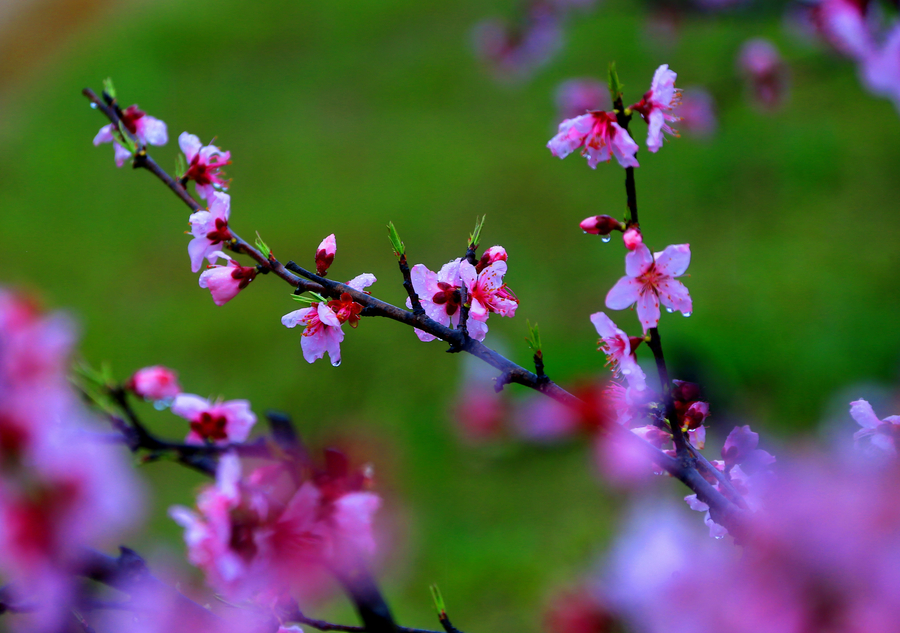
(342, 116)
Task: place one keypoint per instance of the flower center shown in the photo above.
(447, 295)
(210, 426)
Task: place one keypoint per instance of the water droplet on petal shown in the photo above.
(670, 310)
(606, 238)
(719, 537)
(336, 363)
(687, 314)
(160, 405)
(585, 232)
(93, 105)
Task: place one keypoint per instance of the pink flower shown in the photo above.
(513, 52)
(145, 128)
(225, 282)
(210, 229)
(322, 332)
(204, 165)
(740, 448)
(656, 106)
(486, 291)
(617, 347)
(440, 296)
(325, 255)
(883, 433)
(214, 422)
(154, 383)
(598, 134)
(577, 96)
(650, 279)
(697, 112)
(761, 63)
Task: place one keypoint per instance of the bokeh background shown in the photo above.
(341, 116)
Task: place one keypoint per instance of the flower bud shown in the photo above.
(695, 415)
(325, 255)
(684, 391)
(632, 239)
(491, 255)
(154, 383)
(601, 225)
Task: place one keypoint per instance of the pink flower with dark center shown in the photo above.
(225, 282)
(154, 383)
(441, 298)
(598, 134)
(657, 105)
(210, 229)
(491, 255)
(322, 332)
(204, 165)
(650, 279)
(214, 422)
(619, 352)
(486, 291)
(325, 255)
(883, 434)
(577, 96)
(145, 128)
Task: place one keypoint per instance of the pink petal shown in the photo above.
(197, 249)
(240, 419)
(623, 147)
(327, 316)
(674, 295)
(425, 337)
(122, 155)
(604, 325)
(295, 318)
(363, 281)
(190, 145)
(477, 329)
(648, 310)
(189, 406)
(105, 135)
(626, 292)
(449, 273)
(154, 130)
(862, 412)
(220, 205)
(424, 281)
(674, 260)
(467, 275)
(638, 261)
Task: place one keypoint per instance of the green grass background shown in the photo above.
(344, 115)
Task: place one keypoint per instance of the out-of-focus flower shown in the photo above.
(881, 433)
(820, 554)
(59, 491)
(619, 352)
(322, 332)
(761, 64)
(842, 23)
(225, 282)
(599, 136)
(260, 536)
(881, 68)
(145, 128)
(656, 106)
(325, 255)
(215, 422)
(514, 52)
(697, 112)
(154, 383)
(741, 448)
(210, 229)
(578, 96)
(649, 279)
(204, 164)
(579, 611)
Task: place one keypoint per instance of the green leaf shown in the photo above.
(615, 86)
(180, 166)
(475, 236)
(534, 337)
(109, 88)
(124, 138)
(438, 601)
(315, 298)
(394, 237)
(263, 248)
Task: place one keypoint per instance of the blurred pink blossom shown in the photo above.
(154, 383)
(619, 352)
(697, 112)
(760, 62)
(881, 433)
(575, 97)
(215, 422)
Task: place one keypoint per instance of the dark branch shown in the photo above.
(408, 286)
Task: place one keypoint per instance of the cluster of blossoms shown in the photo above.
(281, 528)
(600, 136)
(60, 493)
(441, 293)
